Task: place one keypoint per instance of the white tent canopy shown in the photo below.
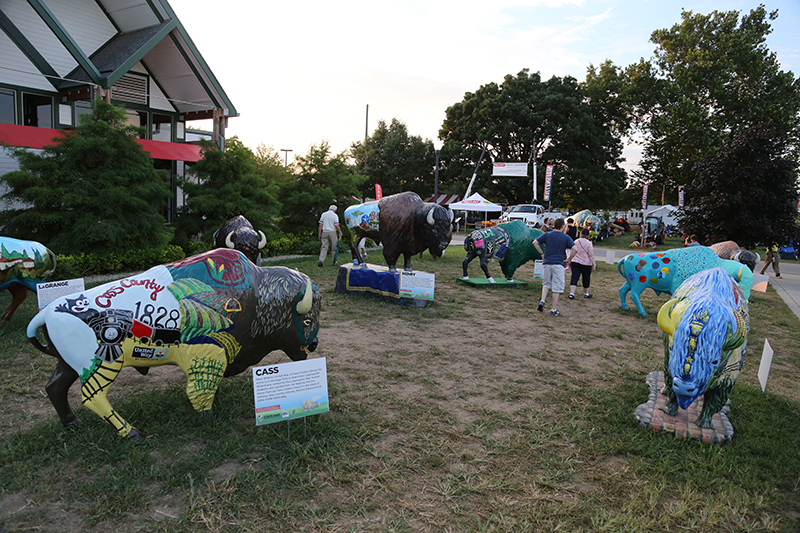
(666, 212)
(476, 202)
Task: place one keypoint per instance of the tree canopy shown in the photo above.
(711, 78)
(94, 190)
(225, 184)
(553, 118)
(745, 192)
(395, 160)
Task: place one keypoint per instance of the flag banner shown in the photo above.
(680, 197)
(548, 182)
(644, 195)
(378, 192)
(510, 169)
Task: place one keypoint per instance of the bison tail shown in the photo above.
(34, 325)
(619, 268)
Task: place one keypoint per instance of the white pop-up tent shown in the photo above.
(476, 202)
(666, 212)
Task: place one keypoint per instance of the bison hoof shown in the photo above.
(207, 413)
(134, 434)
(74, 424)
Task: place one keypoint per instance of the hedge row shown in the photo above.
(80, 265)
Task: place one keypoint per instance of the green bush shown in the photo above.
(87, 264)
(279, 243)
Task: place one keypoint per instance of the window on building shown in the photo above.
(7, 108)
(162, 127)
(82, 108)
(37, 110)
(137, 118)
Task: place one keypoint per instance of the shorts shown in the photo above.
(553, 277)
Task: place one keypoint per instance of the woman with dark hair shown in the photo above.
(582, 261)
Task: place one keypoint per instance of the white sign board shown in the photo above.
(417, 285)
(510, 169)
(290, 390)
(538, 269)
(48, 291)
(766, 363)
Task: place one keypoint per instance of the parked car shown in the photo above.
(530, 214)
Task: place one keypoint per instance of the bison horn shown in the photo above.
(451, 216)
(430, 216)
(263, 241)
(665, 319)
(304, 305)
(229, 241)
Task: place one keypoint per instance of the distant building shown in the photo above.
(56, 56)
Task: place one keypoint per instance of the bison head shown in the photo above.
(437, 230)
(238, 234)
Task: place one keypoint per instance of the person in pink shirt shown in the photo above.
(582, 261)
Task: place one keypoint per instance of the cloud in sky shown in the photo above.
(303, 72)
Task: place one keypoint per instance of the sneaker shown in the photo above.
(571, 296)
(587, 295)
(555, 312)
(491, 280)
(319, 263)
(540, 308)
(778, 277)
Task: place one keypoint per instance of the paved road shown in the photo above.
(788, 287)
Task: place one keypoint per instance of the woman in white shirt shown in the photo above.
(582, 263)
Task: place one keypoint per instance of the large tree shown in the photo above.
(525, 118)
(745, 192)
(712, 77)
(320, 179)
(94, 190)
(225, 184)
(395, 160)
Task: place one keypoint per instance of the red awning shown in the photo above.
(30, 137)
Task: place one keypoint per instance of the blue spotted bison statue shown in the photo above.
(665, 271)
(705, 327)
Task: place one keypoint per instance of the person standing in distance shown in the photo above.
(329, 233)
(556, 242)
(582, 262)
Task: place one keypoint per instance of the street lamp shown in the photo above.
(286, 156)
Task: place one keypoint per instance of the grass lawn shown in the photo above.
(475, 413)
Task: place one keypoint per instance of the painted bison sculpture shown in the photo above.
(705, 327)
(404, 224)
(510, 243)
(730, 250)
(23, 264)
(665, 271)
(213, 315)
(239, 234)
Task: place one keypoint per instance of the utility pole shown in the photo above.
(286, 156)
(366, 125)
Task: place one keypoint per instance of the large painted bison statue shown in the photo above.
(511, 243)
(213, 315)
(665, 271)
(239, 234)
(404, 224)
(705, 327)
(23, 264)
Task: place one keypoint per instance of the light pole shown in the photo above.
(436, 178)
(286, 156)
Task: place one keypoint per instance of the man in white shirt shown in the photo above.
(327, 233)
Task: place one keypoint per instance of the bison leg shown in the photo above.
(93, 395)
(465, 263)
(484, 258)
(623, 295)
(204, 366)
(407, 263)
(18, 295)
(713, 402)
(57, 388)
(635, 297)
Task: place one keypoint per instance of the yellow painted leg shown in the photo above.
(204, 366)
(93, 395)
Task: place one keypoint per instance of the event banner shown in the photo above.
(417, 285)
(645, 188)
(510, 169)
(378, 192)
(548, 182)
(290, 390)
(681, 197)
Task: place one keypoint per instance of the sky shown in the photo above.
(307, 71)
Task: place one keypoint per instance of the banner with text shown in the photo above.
(548, 182)
(645, 188)
(51, 290)
(510, 169)
(681, 196)
(378, 192)
(290, 390)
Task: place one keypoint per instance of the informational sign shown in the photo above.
(538, 269)
(681, 196)
(417, 285)
(290, 390)
(645, 188)
(510, 169)
(51, 290)
(548, 182)
(766, 363)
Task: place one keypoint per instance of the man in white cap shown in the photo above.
(327, 233)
